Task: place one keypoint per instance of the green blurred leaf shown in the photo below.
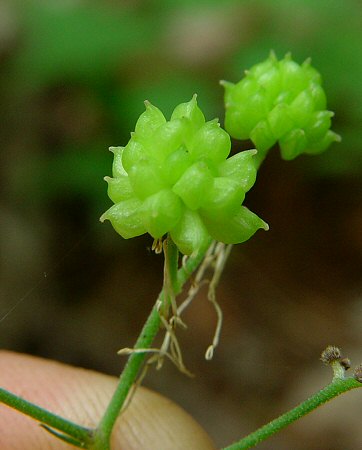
(82, 40)
(75, 172)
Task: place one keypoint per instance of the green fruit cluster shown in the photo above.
(280, 101)
(175, 177)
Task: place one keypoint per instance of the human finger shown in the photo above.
(150, 422)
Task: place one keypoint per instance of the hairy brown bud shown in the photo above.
(331, 354)
(345, 363)
(358, 373)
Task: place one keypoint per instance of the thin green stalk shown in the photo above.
(171, 254)
(337, 387)
(171, 265)
(53, 421)
(99, 439)
(144, 341)
(191, 264)
(128, 377)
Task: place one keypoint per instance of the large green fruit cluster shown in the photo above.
(175, 177)
(280, 101)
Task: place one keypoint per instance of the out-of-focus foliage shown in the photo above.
(82, 41)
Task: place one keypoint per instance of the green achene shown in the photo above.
(280, 101)
(175, 177)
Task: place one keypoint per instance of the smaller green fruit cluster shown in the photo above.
(280, 101)
(174, 177)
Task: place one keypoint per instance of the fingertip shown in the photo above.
(150, 422)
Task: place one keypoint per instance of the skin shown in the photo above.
(150, 422)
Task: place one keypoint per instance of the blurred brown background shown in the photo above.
(73, 76)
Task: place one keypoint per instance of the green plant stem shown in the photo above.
(337, 387)
(79, 433)
(144, 341)
(171, 265)
(171, 254)
(99, 439)
(128, 377)
(192, 263)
